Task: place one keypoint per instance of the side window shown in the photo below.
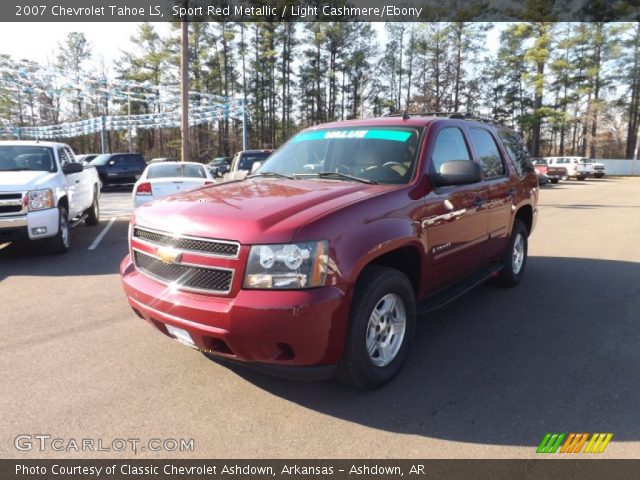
(117, 160)
(449, 145)
(70, 155)
(488, 153)
(517, 151)
(64, 158)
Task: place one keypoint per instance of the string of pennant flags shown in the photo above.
(197, 116)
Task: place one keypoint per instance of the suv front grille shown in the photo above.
(198, 245)
(184, 276)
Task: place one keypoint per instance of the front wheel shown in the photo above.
(381, 326)
(93, 212)
(61, 242)
(514, 259)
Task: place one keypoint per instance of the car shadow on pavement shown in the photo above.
(559, 353)
(31, 258)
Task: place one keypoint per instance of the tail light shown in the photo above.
(144, 189)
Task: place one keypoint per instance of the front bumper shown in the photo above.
(278, 329)
(24, 226)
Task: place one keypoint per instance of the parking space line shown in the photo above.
(99, 238)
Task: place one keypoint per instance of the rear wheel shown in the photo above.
(93, 212)
(554, 180)
(514, 259)
(381, 326)
(61, 242)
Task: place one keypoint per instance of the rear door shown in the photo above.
(500, 189)
(455, 217)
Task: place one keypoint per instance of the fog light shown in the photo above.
(39, 230)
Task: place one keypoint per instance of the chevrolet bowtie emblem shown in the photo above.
(168, 254)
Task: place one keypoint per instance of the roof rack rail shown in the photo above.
(456, 115)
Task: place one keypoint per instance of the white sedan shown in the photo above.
(161, 179)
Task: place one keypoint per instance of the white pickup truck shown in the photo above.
(578, 167)
(43, 192)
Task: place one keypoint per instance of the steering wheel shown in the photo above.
(392, 164)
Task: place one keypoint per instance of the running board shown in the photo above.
(443, 297)
(77, 221)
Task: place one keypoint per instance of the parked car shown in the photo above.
(542, 179)
(119, 168)
(45, 190)
(219, 166)
(541, 168)
(576, 167)
(316, 271)
(242, 163)
(597, 169)
(165, 178)
(86, 158)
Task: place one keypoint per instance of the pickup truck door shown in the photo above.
(84, 188)
(455, 218)
(72, 183)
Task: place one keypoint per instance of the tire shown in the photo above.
(599, 176)
(371, 359)
(103, 183)
(93, 212)
(581, 178)
(514, 263)
(61, 242)
(554, 180)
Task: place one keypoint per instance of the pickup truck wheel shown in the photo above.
(93, 212)
(515, 257)
(60, 243)
(381, 326)
(554, 180)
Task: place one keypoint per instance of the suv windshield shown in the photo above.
(17, 158)
(379, 154)
(101, 159)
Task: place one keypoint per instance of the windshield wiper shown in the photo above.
(271, 174)
(345, 176)
(19, 169)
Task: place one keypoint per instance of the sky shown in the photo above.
(37, 41)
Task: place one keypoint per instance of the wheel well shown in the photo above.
(525, 215)
(406, 260)
(64, 202)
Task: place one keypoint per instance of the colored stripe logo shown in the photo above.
(574, 443)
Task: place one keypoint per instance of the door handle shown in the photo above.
(77, 181)
(478, 202)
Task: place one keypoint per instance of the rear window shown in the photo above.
(163, 170)
(517, 152)
(488, 153)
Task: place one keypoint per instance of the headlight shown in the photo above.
(41, 199)
(289, 266)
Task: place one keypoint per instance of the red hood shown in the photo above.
(251, 211)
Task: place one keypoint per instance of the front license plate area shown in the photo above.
(180, 335)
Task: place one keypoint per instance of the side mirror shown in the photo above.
(457, 172)
(71, 168)
(255, 166)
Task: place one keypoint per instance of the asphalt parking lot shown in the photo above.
(488, 376)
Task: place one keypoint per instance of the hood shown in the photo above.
(24, 180)
(251, 211)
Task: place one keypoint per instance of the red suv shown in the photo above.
(320, 261)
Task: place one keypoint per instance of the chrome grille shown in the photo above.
(198, 245)
(11, 203)
(184, 276)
